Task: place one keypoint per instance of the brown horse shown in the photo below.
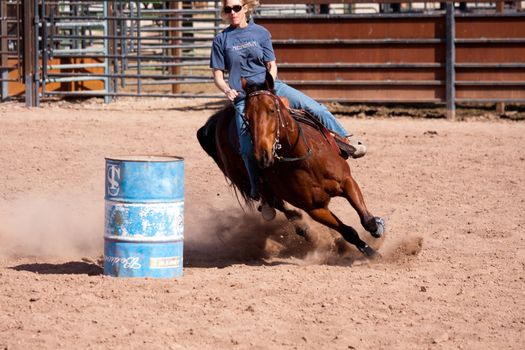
(298, 165)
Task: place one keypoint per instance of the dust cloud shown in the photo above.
(403, 248)
(71, 227)
(393, 248)
(58, 226)
(221, 235)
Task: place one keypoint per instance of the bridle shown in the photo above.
(280, 122)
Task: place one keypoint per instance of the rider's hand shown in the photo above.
(231, 94)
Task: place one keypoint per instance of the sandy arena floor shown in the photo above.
(452, 276)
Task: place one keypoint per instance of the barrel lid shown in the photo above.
(146, 158)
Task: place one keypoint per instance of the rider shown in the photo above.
(244, 49)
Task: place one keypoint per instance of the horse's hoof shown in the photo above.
(380, 227)
(268, 212)
(370, 252)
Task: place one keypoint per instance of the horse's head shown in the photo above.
(263, 113)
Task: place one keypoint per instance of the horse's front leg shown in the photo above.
(373, 224)
(327, 218)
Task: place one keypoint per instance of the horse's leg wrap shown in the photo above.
(326, 217)
(380, 227)
(375, 225)
(369, 252)
(351, 236)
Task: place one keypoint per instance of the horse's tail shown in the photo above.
(207, 136)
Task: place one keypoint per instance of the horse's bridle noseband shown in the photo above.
(277, 144)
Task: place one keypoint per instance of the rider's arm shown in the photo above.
(272, 68)
(221, 84)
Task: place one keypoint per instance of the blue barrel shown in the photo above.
(144, 224)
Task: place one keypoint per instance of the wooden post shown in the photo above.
(29, 52)
(500, 106)
(500, 5)
(450, 61)
(175, 36)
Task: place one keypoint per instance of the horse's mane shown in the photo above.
(256, 87)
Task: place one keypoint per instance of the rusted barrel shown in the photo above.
(144, 217)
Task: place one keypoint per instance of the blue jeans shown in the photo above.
(297, 100)
(246, 147)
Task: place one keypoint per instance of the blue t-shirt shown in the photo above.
(243, 52)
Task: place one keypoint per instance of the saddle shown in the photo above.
(338, 143)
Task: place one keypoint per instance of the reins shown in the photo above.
(280, 122)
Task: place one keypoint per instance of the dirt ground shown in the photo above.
(451, 277)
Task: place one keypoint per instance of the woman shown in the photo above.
(244, 49)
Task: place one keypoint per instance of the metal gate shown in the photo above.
(124, 47)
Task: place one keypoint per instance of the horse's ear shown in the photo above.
(244, 84)
(269, 81)
(285, 102)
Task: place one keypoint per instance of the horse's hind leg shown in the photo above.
(327, 218)
(373, 224)
(295, 217)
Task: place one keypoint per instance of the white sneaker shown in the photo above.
(268, 213)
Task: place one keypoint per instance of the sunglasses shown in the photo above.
(236, 8)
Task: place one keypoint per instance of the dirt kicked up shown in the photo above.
(452, 276)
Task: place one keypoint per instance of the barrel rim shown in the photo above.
(142, 158)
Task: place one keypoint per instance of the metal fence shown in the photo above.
(439, 56)
(126, 48)
(10, 45)
(348, 51)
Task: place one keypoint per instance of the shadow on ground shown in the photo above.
(69, 268)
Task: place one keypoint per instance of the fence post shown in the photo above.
(4, 75)
(28, 55)
(105, 12)
(176, 35)
(500, 106)
(36, 54)
(450, 61)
